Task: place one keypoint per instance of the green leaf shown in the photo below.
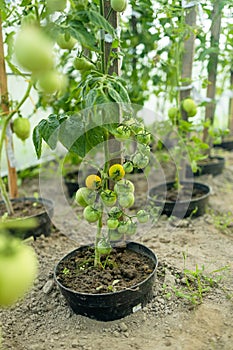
(101, 22)
(37, 140)
(49, 130)
(114, 95)
(79, 32)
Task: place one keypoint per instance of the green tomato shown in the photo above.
(123, 187)
(52, 81)
(82, 64)
(18, 271)
(189, 105)
(118, 5)
(21, 127)
(56, 5)
(66, 43)
(144, 149)
(34, 50)
(140, 161)
(29, 19)
(126, 200)
(115, 212)
(143, 137)
(114, 235)
(108, 198)
(91, 214)
(137, 128)
(192, 113)
(128, 167)
(112, 223)
(122, 133)
(84, 196)
(142, 216)
(173, 113)
(131, 228)
(103, 247)
(123, 227)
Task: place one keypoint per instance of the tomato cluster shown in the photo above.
(100, 203)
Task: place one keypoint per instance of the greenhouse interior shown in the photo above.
(116, 174)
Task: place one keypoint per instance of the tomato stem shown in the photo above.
(97, 239)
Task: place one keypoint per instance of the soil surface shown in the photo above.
(192, 304)
(123, 266)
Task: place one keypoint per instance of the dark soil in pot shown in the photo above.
(40, 209)
(121, 288)
(190, 200)
(211, 165)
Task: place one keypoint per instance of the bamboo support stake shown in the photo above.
(12, 174)
(187, 57)
(212, 67)
(230, 117)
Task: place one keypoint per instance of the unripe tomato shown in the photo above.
(143, 137)
(131, 228)
(29, 19)
(52, 81)
(118, 5)
(82, 64)
(112, 223)
(128, 167)
(21, 127)
(34, 50)
(124, 186)
(189, 105)
(103, 247)
(140, 161)
(84, 196)
(64, 43)
(123, 227)
(192, 113)
(173, 113)
(126, 200)
(115, 212)
(108, 198)
(114, 235)
(91, 214)
(56, 5)
(18, 270)
(122, 133)
(142, 216)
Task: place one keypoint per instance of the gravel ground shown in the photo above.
(176, 318)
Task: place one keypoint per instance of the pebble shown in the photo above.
(47, 288)
(123, 327)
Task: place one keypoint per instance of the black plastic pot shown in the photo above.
(214, 167)
(181, 208)
(114, 305)
(71, 182)
(76, 179)
(228, 145)
(42, 219)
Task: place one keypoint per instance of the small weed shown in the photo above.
(223, 221)
(66, 271)
(196, 283)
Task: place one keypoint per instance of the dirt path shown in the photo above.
(42, 321)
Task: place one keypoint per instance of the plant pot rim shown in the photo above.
(95, 295)
(191, 200)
